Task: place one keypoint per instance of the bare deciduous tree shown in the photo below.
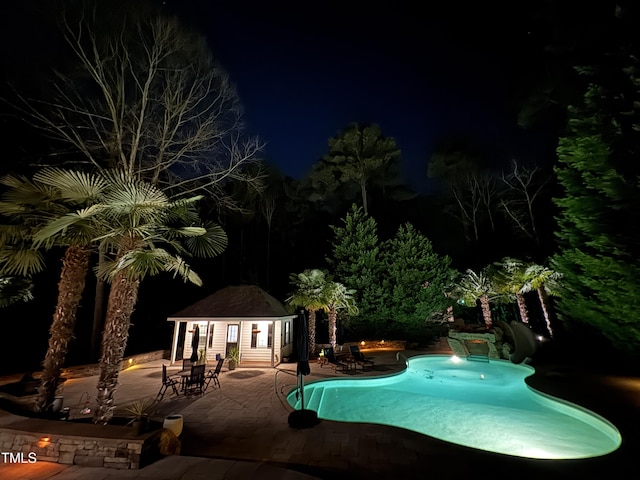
(474, 192)
(268, 204)
(523, 187)
(148, 99)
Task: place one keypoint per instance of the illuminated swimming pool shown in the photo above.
(484, 405)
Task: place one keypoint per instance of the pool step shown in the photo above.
(478, 358)
(315, 399)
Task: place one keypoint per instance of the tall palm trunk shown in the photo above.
(122, 300)
(486, 310)
(542, 295)
(522, 306)
(98, 307)
(333, 322)
(312, 332)
(72, 279)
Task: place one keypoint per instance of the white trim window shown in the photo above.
(210, 339)
(261, 337)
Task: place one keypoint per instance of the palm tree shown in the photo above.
(309, 290)
(545, 282)
(135, 219)
(473, 288)
(337, 297)
(29, 204)
(512, 280)
(144, 219)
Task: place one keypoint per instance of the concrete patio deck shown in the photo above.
(241, 431)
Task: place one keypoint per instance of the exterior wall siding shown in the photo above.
(219, 343)
(248, 354)
(258, 354)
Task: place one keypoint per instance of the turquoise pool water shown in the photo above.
(484, 405)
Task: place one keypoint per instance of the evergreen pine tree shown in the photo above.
(355, 262)
(599, 208)
(415, 280)
(398, 283)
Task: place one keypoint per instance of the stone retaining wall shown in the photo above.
(368, 345)
(92, 369)
(79, 371)
(461, 343)
(74, 450)
(90, 445)
(378, 344)
(87, 445)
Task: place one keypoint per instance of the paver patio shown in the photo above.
(246, 420)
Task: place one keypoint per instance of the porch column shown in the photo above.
(206, 341)
(174, 346)
(273, 341)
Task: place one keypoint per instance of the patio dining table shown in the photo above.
(184, 377)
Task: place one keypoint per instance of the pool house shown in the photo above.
(244, 317)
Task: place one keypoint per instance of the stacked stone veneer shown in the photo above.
(93, 369)
(81, 444)
(459, 343)
(368, 345)
(86, 448)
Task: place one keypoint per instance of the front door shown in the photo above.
(232, 337)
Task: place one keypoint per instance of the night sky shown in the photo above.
(305, 71)
(303, 74)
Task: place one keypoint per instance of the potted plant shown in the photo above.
(233, 355)
(140, 412)
(202, 356)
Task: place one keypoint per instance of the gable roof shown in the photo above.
(235, 301)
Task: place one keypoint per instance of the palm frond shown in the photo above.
(21, 262)
(186, 202)
(11, 235)
(73, 185)
(189, 231)
(142, 263)
(179, 267)
(27, 197)
(543, 277)
(12, 208)
(75, 227)
(133, 195)
(213, 242)
(183, 211)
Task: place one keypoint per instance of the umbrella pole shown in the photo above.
(302, 418)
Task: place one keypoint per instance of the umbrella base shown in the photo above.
(303, 419)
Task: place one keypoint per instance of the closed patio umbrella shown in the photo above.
(195, 341)
(302, 418)
(302, 344)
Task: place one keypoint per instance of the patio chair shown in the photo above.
(359, 358)
(167, 382)
(213, 375)
(194, 383)
(187, 364)
(330, 355)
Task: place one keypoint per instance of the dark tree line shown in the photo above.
(573, 205)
